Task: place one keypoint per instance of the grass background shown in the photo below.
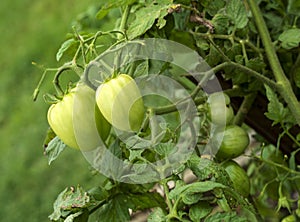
(32, 30)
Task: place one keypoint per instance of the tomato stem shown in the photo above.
(124, 20)
(244, 109)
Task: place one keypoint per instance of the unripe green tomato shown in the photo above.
(238, 177)
(120, 101)
(221, 115)
(290, 218)
(62, 116)
(219, 97)
(234, 142)
(220, 109)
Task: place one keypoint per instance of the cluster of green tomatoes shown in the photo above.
(118, 102)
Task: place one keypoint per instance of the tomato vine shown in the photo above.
(244, 50)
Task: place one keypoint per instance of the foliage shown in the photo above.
(245, 45)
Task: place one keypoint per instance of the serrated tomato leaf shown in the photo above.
(197, 187)
(157, 215)
(145, 18)
(70, 201)
(116, 210)
(276, 111)
(226, 217)
(236, 11)
(54, 148)
(145, 201)
(200, 210)
(67, 45)
(290, 38)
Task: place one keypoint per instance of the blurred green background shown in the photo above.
(32, 30)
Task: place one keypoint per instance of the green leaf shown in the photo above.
(212, 6)
(140, 173)
(67, 45)
(290, 38)
(110, 4)
(50, 135)
(135, 154)
(136, 142)
(54, 148)
(78, 217)
(145, 201)
(226, 217)
(197, 187)
(141, 69)
(99, 193)
(71, 200)
(165, 149)
(145, 17)
(157, 215)
(199, 211)
(276, 110)
(294, 7)
(220, 23)
(116, 210)
(256, 64)
(191, 198)
(236, 11)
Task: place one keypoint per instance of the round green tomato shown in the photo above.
(73, 119)
(221, 115)
(219, 97)
(238, 177)
(234, 142)
(220, 109)
(120, 101)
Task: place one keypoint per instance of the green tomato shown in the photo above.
(290, 218)
(238, 177)
(234, 142)
(120, 101)
(221, 115)
(220, 109)
(62, 116)
(219, 97)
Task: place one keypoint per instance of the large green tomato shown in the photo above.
(234, 142)
(120, 101)
(74, 120)
(238, 177)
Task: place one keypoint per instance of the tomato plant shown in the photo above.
(236, 67)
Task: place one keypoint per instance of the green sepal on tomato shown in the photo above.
(120, 101)
(232, 142)
(238, 176)
(75, 119)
